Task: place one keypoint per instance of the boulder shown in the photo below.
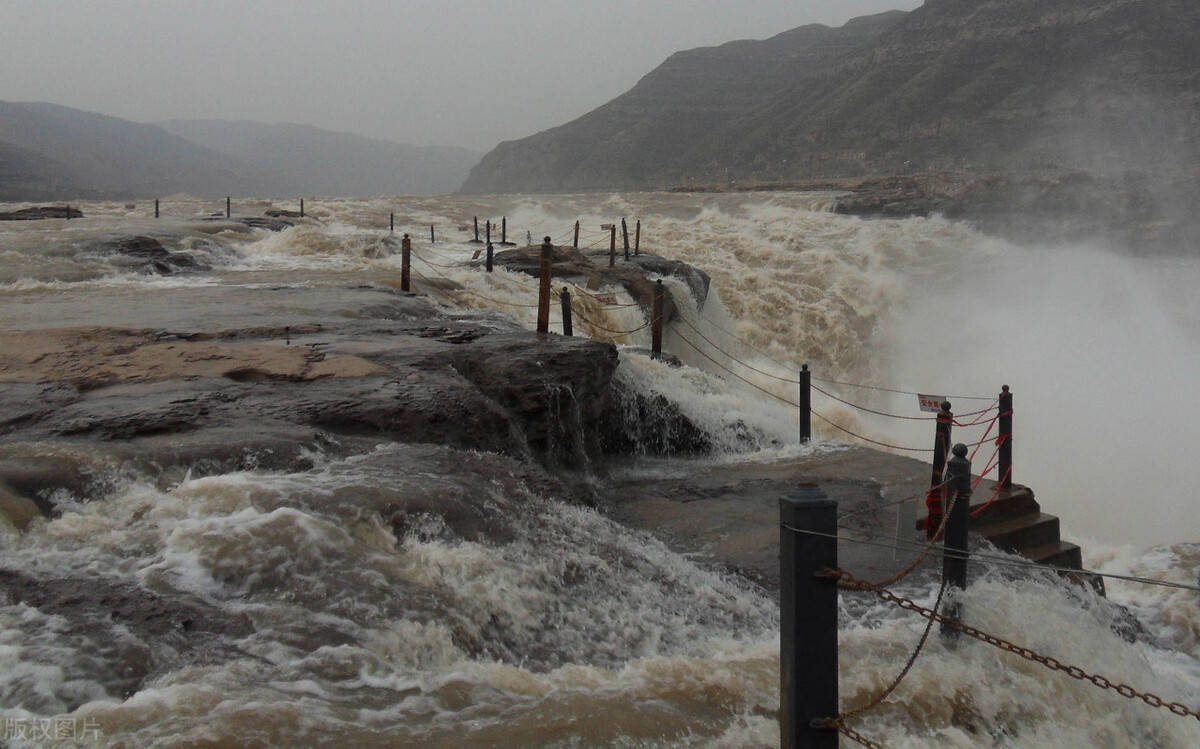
(146, 255)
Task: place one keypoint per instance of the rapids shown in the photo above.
(560, 627)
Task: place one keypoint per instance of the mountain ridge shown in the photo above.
(49, 152)
(968, 85)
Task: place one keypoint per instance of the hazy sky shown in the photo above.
(448, 72)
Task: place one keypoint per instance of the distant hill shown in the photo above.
(971, 85)
(48, 151)
(305, 160)
(53, 152)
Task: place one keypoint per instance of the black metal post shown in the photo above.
(625, 236)
(566, 311)
(431, 237)
(656, 321)
(543, 321)
(488, 231)
(1005, 464)
(489, 257)
(392, 222)
(808, 645)
(68, 211)
(504, 230)
(612, 245)
(156, 208)
(941, 446)
(805, 404)
(476, 240)
(576, 244)
(227, 207)
(405, 262)
(954, 561)
(637, 239)
(301, 207)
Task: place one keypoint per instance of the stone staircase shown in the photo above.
(1015, 523)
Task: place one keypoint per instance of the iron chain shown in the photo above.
(850, 582)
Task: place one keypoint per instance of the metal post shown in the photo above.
(227, 207)
(656, 320)
(637, 239)
(566, 312)
(431, 237)
(1005, 438)
(543, 321)
(488, 233)
(625, 235)
(954, 561)
(392, 222)
(156, 208)
(301, 207)
(805, 404)
(489, 257)
(68, 211)
(576, 244)
(504, 230)
(941, 446)
(808, 645)
(612, 245)
(405, 261)
(476, 240)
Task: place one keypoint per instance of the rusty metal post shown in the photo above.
(941, 446)
(489, 257)
(625, 235)
(805, 404)
(637, 239)
(543, 321)
(808, 644)
(954, 560)
(1005, 438)
(612, 245)
(656, 321)
(405, 262)
(576, 244)
(566, 311)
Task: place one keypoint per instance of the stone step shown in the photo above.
(1016, 500)
(1057, 554)
(1022, 532)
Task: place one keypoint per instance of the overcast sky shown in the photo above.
(441, 72)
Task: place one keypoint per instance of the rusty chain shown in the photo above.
(839, 723)
(849, 582)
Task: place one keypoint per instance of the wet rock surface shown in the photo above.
(38, 213)
(146, 254)
(632, 275)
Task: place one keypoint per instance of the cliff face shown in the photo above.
(978, 85)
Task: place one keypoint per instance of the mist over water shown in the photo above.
(571, 630)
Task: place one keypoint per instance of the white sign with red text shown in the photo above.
(931, 402)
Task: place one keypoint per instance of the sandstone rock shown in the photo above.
(18, 511)
(146, 254)
(38, 213)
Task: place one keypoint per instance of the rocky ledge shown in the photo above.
(37, 213)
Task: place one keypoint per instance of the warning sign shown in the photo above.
(606, 227)
(931, 402)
